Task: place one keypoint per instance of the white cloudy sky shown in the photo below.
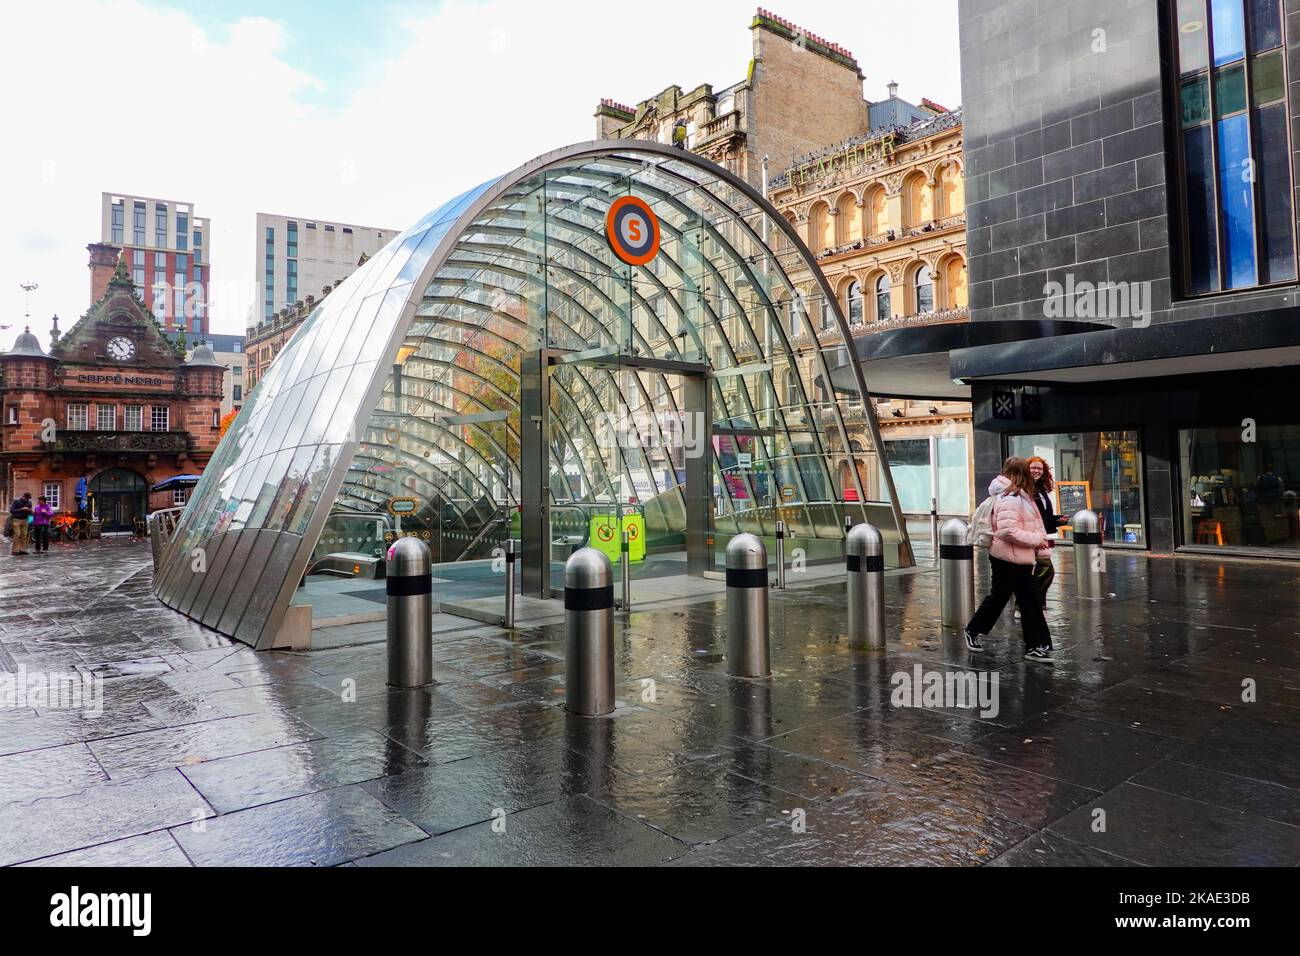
(369, 113)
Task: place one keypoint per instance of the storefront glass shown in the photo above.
(1240, 485)
(1097, 470)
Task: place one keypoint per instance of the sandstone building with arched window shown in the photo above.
(884, 215)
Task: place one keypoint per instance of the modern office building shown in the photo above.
(168, 252)
(228, 351)
(590, 342)
(1131, 171)
(297, 255)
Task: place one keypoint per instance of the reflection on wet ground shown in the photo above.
(1137, 748)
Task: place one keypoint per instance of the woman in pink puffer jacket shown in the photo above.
(1018, 539)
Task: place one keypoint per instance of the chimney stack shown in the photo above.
(103, 260)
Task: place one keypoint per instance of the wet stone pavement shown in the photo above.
(208, 753)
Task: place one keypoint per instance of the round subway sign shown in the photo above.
(632, 230)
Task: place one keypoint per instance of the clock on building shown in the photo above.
(120, 348)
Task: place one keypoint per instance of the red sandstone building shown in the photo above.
(114, 402)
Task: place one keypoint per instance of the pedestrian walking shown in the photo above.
(41, 517)
(1044, 569)
(1019, 537)
(20, 512)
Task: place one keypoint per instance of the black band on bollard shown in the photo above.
(865, 562)
(626, 546)
(589, 599)
(957, 552)
(1087, 537)
(409, 585)
(746, 577)
(780, 532)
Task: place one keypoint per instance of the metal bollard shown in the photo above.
(956, 574)
(589, 633)
(848, 524)
(780, 555)
(747, 651)
(509, 621)
(934, 530)
(625, 565)
(410, 613)
(1089, 558)
(866, 573)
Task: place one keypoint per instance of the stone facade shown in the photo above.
(770, 113)
(114, 402)
(879, 213)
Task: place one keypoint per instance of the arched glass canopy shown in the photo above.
(496, 371)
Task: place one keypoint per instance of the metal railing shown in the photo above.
(162, 525)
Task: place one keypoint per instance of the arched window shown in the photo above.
(916, 201)
(849, 223)
(954, 283)
(883, 309)
(790, 388)
(951, 191)
(855, 303)
(877, 221)
(825, 307)
(821, 233)
(923, 290)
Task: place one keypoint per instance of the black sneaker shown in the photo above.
(1041, 654)
(973, 641)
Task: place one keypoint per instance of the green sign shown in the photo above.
(605, 534)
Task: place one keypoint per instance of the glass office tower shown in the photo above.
(499, 371)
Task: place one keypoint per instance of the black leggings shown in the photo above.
(1009, 579)
(41, 536)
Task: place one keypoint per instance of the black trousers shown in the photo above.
(1009, 579)
(41, 536)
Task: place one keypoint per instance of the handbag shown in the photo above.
(9, 526)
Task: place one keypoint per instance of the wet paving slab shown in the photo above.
(1174, 707)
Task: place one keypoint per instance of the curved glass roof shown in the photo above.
(405, 380)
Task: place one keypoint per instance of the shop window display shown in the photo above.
(1240, 486)
(1097, 470)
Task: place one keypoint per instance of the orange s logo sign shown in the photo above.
(634, 230)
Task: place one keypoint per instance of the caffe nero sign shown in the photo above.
(118, 380)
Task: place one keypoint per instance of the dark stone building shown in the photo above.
(1131, 217)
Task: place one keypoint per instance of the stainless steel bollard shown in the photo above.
(747, 651)
(780, 555)
(625, 565)
(1089, 556)
(509, 621)
(409, 582)
(956, 574)
(934, 530)
(866, 574)
(848, 524)
(589, 633)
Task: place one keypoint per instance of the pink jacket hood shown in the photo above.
(1018, 535)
